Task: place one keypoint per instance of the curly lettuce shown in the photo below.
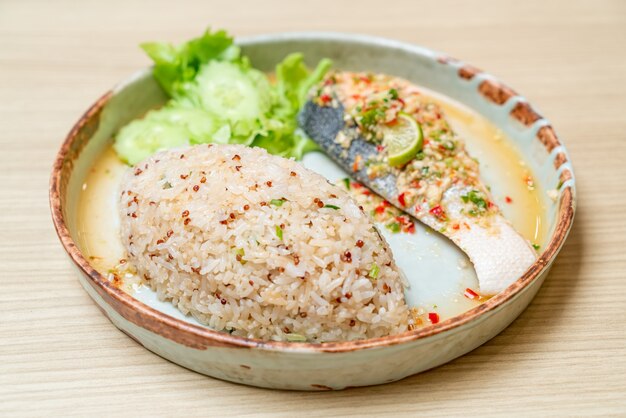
(216, 96)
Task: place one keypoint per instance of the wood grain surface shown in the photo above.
(565, 355)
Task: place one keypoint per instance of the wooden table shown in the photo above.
(565, 355)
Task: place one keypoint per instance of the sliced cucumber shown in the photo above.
(232, 93)
(142, 138)
(200, 125)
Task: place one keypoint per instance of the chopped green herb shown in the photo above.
(420, 156)
(277, 202)
(279, 232)
(346, 181)
(239, 253)
(374, 270)
(371, 116)
(393, 227)
(331, 207)
(425, 170)
(449, 145)
(167, 185)
(393, 93)
(295, 338)
(436, 135)
(536, 247)
(476, 198)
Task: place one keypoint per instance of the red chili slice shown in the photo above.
(438, 212)
(402, 200)
(381, 208)
(433, 317)
(470, 294)
(325, 98)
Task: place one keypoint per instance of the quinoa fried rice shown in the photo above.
(259, 246)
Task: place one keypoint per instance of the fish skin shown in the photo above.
(500, 255)
(322, 124)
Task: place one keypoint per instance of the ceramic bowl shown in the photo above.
(305, 366)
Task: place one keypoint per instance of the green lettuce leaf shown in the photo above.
(218, 97)
(293, 82)
(176, 65)
(294, 79)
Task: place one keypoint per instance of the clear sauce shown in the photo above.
(501, 167)
(437, 270)
(98, 221)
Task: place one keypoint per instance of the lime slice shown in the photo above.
(402, 140)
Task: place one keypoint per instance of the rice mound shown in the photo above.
(259, 246)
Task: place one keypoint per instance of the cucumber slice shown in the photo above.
(232, 93)
(200, 125)
(142, 138)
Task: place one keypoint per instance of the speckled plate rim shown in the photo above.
(199, 337)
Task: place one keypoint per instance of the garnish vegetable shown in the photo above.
(216, 96)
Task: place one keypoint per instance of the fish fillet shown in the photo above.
(457, 204)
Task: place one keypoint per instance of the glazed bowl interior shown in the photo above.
(531, 133)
